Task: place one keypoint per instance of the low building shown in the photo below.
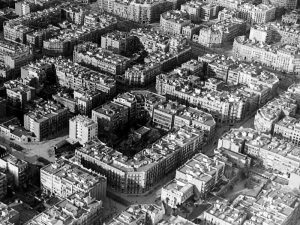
(78, 208)
(64, 178)
(82, 129)
(46, 119)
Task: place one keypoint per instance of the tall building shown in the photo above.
(118, 42)
(17, 168)
(164, 114)
(64, 178)
(3, 104)
(3, 185)
(110, 116)
(78, 208)
(18, 94)
(82, 129)
(46, 119)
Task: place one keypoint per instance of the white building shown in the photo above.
(82, 129)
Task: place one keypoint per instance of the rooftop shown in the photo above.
(80, 177)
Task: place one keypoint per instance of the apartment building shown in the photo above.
(220, 32)
(82, 129)
(226, 13)
(172, 22)
(273, 32)
(152, 40)
(139, 214)
(8, 215)
(199, 11)
(218, 66)
(274, 153)
(188, 89)
(143, 12)
(16, 29)
(22, 8)
(294, 91)
(222, 213)
(288, 128)
(148, 101)
(14, 55)
(283, 57)
(260, 14)
(36, 38)
(202, 172)
(287, 4)
(74, 76)
(111, 116)
(196, 118)
(273, 111)
(18, 94)
(291, 17)
(17, 168)
(3, 185)
(275, 203)
(64, 178)
(141, 173)
(94, 26)
(101, 59)
(164, 114)
(78, 208)
(46, 119)
(82, 101)
(194, 67)
(141, 75)
(118, 42)
(130, 101)
(3, 104)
